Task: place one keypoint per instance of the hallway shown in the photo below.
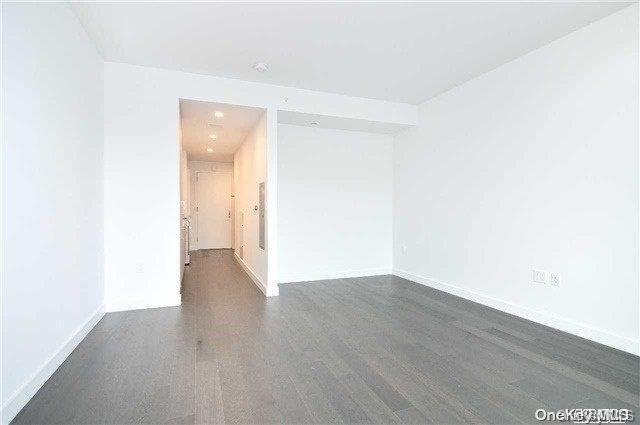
(362, 350)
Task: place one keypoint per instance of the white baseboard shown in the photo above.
(266, 290)
(325, 275)
(30, 387)
(172, 300)
(612, 340)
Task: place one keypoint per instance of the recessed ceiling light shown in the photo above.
(261, 67)
(218, 114)
(213, 136)
(209, 150)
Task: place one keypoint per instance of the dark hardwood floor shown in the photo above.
(362, 350)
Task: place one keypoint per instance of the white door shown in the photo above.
(213, 191)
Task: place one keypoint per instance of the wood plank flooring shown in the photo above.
(362, 350)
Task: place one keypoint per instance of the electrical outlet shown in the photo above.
(554, 279)
(540, 276)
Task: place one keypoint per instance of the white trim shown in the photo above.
(142, 303)
(325, 275)
(603, 337)
(268, 291)
(30, 387)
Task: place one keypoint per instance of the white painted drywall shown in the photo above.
(184, 206)
(533, 165)
(334, 203)
(52, 218)
(194, 168)
(141, 194)
(249, 164)
(185, 184)
(142, 157)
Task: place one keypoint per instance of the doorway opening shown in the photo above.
(223, 168)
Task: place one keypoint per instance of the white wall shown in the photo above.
(533, 165)
(194, 168)
(334, 203)
(141, 133)
(141, 194)
(52, 219)
(249, 164)
(185, 184)
(185, 189)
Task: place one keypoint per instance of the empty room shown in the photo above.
(320, 212)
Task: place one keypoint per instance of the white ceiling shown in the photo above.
(405, 52)
(198, 122)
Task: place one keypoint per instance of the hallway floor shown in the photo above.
(361, 350)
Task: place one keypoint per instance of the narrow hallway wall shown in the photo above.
(249, 172)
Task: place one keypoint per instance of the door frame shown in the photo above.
(197, 205)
